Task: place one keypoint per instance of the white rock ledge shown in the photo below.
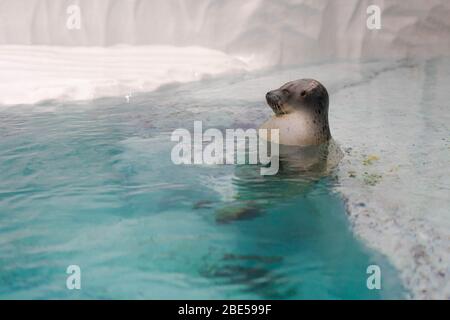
(394, 129)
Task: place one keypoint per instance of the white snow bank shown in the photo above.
(33, 73)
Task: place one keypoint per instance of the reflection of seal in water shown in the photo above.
(301, 113)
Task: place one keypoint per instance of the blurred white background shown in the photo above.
(261, 31)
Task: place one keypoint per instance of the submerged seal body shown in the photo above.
(301, 113)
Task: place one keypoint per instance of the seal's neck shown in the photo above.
(304, 127)
(319, 118)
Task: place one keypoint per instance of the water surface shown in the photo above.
(92, 184)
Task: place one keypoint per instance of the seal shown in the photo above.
(301, 113)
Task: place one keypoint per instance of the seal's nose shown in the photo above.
(270, 96)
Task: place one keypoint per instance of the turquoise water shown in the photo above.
(92, 184)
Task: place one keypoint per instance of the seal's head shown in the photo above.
(301, 112)
(302, 94)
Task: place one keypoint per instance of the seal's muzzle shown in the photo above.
(275, 100)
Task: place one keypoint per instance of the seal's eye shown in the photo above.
(303, 93)
(286, 92)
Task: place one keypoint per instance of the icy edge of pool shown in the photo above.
(35, 73)
(393, 176)
(417, 250)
